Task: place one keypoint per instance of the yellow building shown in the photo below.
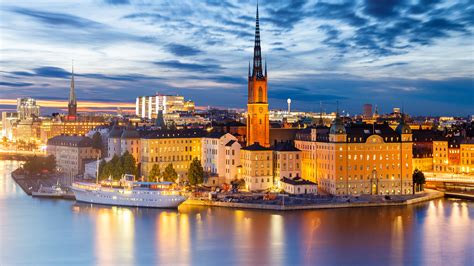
(51, 128)
(163, 147)
(286, 161)
(306, 142)
(422, 162)
(362, 159)
(257, 167)
(467, 157)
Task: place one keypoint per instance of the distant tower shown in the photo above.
(289, 105)
(367, 110)
(258, 125)
(72, 105)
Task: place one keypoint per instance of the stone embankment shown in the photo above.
(426, 196)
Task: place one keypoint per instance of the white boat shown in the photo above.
(54, 191)
(127, 192)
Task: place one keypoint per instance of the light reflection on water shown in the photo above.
(53, 232)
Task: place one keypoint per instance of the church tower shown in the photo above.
(72, 105)
(258, 126)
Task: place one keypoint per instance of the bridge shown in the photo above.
(454, 185)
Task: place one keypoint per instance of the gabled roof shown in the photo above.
(230, 143)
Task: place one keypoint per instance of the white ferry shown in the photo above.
(127, 192)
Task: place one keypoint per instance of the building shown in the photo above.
(423, 149)
(130, 142)
(148, 106)
(114, 143)
(306, 142)
(467, 157)
(50, 128)
(286, 161)
(257, 167)
(8, 122)
(297, 185)
(258, 125)
(27, 130)
(232, 161)
(163, 147)
(360, 158)
(71, 153)
(214, 158)
(367, 111)
(72, 104)
(27, 108)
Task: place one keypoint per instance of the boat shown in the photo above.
(54, 191)
(128, 192)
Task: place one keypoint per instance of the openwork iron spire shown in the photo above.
(257, 52)
(72, 92)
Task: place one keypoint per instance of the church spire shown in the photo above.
(72, 105)
(257, 52)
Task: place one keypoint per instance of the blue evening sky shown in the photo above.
(417, 54)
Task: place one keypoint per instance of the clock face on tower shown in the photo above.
(260, 109)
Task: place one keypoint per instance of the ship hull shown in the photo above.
(117, 197)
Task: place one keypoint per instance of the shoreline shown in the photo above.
(25, 185)
(429, 195)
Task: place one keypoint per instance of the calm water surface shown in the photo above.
(51, 232)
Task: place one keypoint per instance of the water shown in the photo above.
(51, 232)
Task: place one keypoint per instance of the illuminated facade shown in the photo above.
(361, 159)
(215, 159)
(454, 155)
(52, 128)
(27, 108)
(467, 157)
(257, 167)
(163, 147)
(258, 125)
(148, 106)
(286, 161)
(71, 152)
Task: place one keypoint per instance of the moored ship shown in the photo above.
(128, 192)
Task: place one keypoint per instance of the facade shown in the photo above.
(163, 147)
(52, 128)
(286, 161)
(306, 142)
(257, 167)
(148, 106)
(27, 130)
(8, 121)
(232, 161)
(114, 143)
(130, 141)
(27, 108)
(297, 185)
(214, 159)
(361, 158)
(467, 157)
(258, 125)
(71, 153)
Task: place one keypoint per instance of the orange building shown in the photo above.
(258, 125)
(359, 158)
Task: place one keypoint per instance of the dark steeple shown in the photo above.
(72, 105)
(257, 52)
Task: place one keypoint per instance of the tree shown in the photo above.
(97, 141)
(170, 174)
(129, 166)
(116, 167)
(195, 172)
(155, 173)
(418, 180)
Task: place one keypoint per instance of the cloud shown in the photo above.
(182, 50)
(117, 2)
(57, 19)
(176, 64)
(15, 84)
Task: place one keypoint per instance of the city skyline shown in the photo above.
(392, 55)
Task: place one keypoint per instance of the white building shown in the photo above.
(148, 106)
(27, 108)
(114, 142)
(297, 185)
(214, 153)
(232, 160)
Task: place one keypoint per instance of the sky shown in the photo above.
(415, 54)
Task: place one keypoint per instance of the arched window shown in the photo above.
(260, 94)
